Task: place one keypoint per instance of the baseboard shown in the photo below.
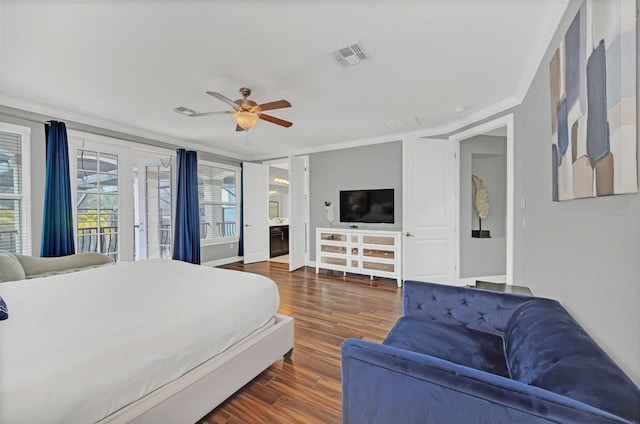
(467, 281)
(311, 264)
(224, 261)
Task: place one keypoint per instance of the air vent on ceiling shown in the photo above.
(403, 124)
(351, 54)
(184, 111)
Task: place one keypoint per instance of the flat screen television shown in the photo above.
(369, 206)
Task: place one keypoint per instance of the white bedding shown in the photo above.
(77, 347)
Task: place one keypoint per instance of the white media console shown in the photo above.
(368, 252)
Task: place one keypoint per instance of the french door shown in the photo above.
(102, 183)
(154, 184)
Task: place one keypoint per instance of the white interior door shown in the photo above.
(255, 208)
(296, 213)
(429, 214)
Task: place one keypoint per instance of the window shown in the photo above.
(218, 186)
(15, 189)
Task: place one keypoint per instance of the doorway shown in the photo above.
(487, 255)
(279, 205)
(275, 221)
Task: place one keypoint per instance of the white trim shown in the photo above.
(490, 278)
(492, 110)
(26, 244)
(307, 246)
(127, 144)
(19, 129)
(507, 121)
(237, 203)
(547, 29)
(219, 240)
(223, 261)
(83, 119)
(219, 165)
(85, 141)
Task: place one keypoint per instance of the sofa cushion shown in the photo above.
(39, 267)
(547, 348)
(10, 268)
(453, 343)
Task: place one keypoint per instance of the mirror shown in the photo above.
(274, 209)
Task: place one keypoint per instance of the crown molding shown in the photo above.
(443, 130)
(83, 119)
(548, 28)
(57, 113)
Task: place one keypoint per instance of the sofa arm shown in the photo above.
(483, 310)
(383, 384)
(35, 266)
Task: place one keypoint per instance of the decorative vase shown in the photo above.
(330, 215)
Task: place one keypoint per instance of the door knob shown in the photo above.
(408, 234)
(247, 225)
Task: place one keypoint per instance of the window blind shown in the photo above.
(15, 219)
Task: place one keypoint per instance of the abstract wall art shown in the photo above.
(593, 103)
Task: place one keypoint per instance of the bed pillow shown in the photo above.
(10, 268)
(4, 312)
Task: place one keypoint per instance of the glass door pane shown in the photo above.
(158, 230)
(97, 202)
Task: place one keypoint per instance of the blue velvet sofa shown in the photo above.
(463, 355)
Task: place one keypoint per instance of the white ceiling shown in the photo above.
(124, 65)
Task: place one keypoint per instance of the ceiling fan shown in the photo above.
(245, 112)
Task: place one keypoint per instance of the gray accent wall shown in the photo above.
(485, 157)
(367, 167)
(584, 252)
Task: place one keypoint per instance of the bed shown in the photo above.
(150, 341)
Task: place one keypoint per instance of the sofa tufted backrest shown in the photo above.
(473, 308)
(546, 348)
(35, 267)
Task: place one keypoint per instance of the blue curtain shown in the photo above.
(241, 206)
(186, 239)
(57, 221)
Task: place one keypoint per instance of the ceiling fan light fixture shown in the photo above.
(245, 120)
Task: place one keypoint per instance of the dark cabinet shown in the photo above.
(279, 240)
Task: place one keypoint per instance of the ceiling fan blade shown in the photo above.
(278, 104)
(239, 128)
(275, 120)
(195, 115)
(227, 100)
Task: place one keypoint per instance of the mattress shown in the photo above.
(78, 347)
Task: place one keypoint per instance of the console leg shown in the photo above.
(288, 354)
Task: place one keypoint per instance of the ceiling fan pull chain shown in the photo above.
(247, 136)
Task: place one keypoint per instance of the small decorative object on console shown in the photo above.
(330, 214)
(482, 207)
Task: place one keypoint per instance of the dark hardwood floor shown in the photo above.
(327, 308)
